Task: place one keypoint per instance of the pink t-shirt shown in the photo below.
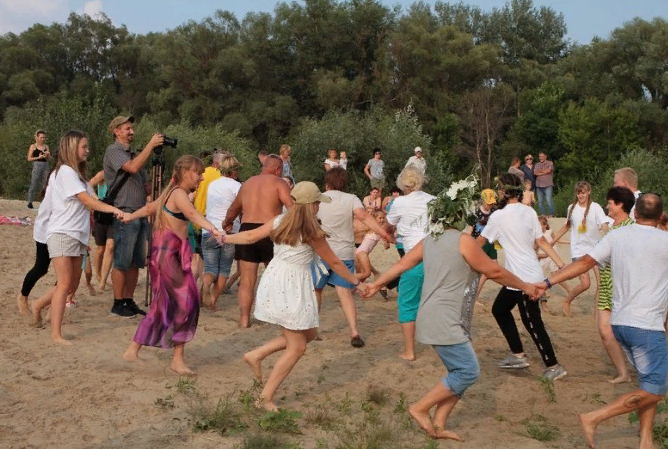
(369, 243)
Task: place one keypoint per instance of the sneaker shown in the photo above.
(71, 304)
(133, 307)
(514, 362)
(30, 206)
(554, 373)
(119, 308)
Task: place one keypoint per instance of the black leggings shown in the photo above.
(41, 267)
(395, 283)
(530, 313)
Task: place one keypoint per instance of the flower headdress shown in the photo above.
(454, 207)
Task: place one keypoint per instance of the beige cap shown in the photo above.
(417, 150)
(306, 192)
(118, 121)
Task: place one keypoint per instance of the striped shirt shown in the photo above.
(605, 278)
(132, 195)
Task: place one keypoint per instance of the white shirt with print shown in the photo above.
(584, 240)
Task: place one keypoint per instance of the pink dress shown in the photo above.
(369, 243)
(547, 263)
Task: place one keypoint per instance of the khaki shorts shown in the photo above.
(378, 183)
(62, 245)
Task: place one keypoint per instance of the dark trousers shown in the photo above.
(504, 303)
(41, 267)
(395, 283)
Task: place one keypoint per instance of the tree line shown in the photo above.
(472, 87)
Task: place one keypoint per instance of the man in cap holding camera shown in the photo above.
(129, 239)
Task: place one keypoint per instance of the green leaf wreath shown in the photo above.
(455, 207)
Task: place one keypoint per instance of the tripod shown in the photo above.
(157, 170)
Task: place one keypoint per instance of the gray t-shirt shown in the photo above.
(448, 292)
(376, 168)
(337, 221)
(132, 195)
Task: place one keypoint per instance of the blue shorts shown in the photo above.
(410, 291)
(218, 259)
(333, 279)
(646, 350)
(130, 244)
(462, 365)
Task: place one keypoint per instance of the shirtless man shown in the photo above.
(260, 199)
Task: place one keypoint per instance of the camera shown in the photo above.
(168, 141)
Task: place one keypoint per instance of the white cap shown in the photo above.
(417, 150)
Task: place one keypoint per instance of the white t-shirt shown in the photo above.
(68, 215)
(43, 214)
(420, 164)
(636, 194)
(583, 241)
(337, 220)
(409, 215)
(219, 197)
(638, 257)
(342, 163)
(516, 227)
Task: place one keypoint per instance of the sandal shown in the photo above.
(357, 342)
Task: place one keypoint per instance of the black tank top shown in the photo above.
(36, 153)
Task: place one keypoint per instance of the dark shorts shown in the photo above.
(258, 252)
(102, 233)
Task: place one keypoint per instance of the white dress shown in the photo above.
(285, 295)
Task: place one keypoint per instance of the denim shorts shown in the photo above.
(410, 291)
(333, 279)
(130, 244)
(646, 350)
(462, 365)
(218, 259)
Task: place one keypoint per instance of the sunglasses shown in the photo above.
(529, 159)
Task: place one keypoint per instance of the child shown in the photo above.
(585, 220)
(528, 197)
(486, 208)
(334, 161)
(545, 262)
(362, 262)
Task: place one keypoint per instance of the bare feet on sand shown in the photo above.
(61, 341)
(409, 357)
(566, 308)
(130, 355)
(24, 307)
(255, 365)
(620, 380)
(423, 420)
(588, 429)
(91, 290)
(36, 317)
(181, 369)
(266, 405)
(442, 434)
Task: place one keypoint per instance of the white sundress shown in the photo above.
(286, 296)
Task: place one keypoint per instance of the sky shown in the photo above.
(584, 18)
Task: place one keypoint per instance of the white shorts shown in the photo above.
(62, 245)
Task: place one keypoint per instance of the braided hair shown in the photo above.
(581, 186)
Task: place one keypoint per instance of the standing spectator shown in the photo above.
(515, 168)
(287, 165)
(544, 172)
(333, 160)
(375, 170)
(262, 156)
(528, 169)
(417, 161)
(627, 177)
(373, 202)
(39, 154)
(120, 161)
(388, 200)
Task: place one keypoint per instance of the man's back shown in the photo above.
(638, 257)
(261, 198)
(337, 221)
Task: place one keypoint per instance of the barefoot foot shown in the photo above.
(131, 355)
(442, 434)
(588, 429)
(268, 406)
(423, 420)
(24, 307)
(406, 356)
(91, 290)
(61, 341)
(255, 364)
(566, 308)
(181, 369)
(36, 317)
(620, 380)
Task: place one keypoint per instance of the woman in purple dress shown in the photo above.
(172, 318)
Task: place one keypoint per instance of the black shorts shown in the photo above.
(258, 252)
(102, 233)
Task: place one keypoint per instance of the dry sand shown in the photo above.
(86, 396)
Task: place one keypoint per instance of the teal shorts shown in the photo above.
(410, 291)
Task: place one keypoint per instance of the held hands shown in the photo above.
(220, 236)
(366, 291)
(120, 215)
(157, 140)
(535, 291)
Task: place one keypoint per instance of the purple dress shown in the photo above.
(172, 318)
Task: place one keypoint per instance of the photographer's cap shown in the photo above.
(118, 121)
(306, 192)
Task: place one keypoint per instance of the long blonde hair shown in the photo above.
(67, 154)
(299, 225)
(182, 165)
(581, 186)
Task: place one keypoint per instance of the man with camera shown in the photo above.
(124, 168)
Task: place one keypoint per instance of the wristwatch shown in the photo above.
(548, 283)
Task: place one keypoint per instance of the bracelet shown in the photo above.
(548, 283)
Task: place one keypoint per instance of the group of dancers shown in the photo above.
(306, 237)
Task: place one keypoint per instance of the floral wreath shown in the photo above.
(454, 207)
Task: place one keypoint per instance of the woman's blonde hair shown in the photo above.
(285, 147)
(410, 180)
(38, 132)
(182, 165)
(581, 186)
(299, 225)
(67, 153)
(230, 164)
